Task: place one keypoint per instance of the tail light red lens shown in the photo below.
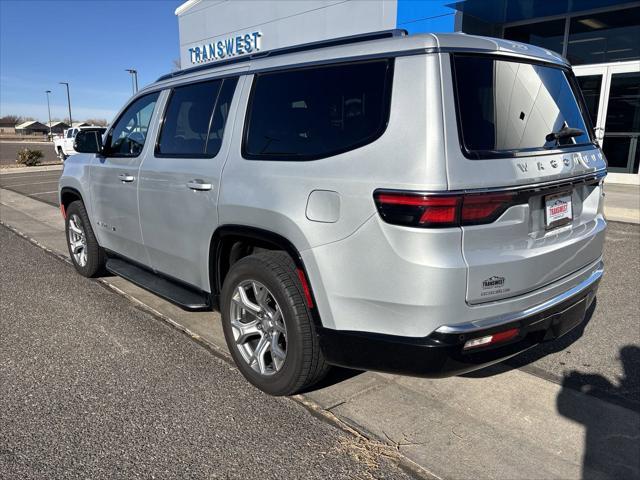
(438, 211)
(485, 208)
(418, 210)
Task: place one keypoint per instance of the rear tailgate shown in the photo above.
(515, 119)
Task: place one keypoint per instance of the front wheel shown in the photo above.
(267, 326)
(61, 155)
(87, 256)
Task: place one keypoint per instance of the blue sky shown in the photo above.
(86, 43)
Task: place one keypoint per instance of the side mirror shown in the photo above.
(88, 141)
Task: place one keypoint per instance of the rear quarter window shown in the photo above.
(312, 113)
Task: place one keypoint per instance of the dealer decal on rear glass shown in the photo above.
(494, 286)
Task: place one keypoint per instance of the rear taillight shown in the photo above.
(418, 210)
(441, 210)
(485, 208)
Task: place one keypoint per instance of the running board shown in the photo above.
(173, 291)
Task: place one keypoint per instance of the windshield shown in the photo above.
(506, 106)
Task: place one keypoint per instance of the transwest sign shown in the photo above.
(226, 48)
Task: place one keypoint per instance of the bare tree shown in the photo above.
(97, 121)
(17, 119)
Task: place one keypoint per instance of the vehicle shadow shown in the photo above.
(612, 434)
(336, 375)
(539, 351)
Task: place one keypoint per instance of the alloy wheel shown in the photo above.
(77, 240)
(258, 327)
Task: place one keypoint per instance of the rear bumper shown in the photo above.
(441, 353)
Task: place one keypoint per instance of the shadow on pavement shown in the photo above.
(612, 435)
(335, 375)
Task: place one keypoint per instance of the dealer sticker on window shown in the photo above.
(558, 210)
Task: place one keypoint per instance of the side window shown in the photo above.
(70, 133)
(194, 119)
(317, 112)
(128, 135)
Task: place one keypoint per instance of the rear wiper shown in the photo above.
(564, 132)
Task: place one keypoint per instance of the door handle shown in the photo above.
(199, 185)
(123, 177)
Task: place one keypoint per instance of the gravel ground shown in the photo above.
(9, 151)
(91, 387)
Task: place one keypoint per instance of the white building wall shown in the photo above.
(281, 22)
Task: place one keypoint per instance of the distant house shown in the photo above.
(32, 128)
(7, 127)
(80, 124)
(58, 128)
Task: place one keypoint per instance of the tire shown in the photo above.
(89, 258)
(303, 364)
(61, 155)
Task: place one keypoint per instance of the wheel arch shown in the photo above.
(68, 195)
(226, 238)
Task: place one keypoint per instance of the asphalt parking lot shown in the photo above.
(92, 387)
(9, 151)
(42, 186)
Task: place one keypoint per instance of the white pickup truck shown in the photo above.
(63, 144)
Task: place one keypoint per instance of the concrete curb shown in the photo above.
(513, 425)
(625, 215)
(9, 170)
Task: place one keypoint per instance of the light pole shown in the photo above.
(134, 79)
(49, 110)
(68, 102)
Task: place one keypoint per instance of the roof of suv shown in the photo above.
(361, 47)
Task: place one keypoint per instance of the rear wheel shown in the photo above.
(267, 326)
(87, 256)
(61, 155)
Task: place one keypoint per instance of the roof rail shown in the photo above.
(362, 37)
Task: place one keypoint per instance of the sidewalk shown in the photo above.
(622, 202)
(511, 425)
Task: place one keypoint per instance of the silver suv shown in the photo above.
(425, 204)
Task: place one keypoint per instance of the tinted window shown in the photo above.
(130, 131)
(220, 114)
(508, 105)
(316, 112)
(187, 118)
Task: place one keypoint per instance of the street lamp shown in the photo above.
(49, 110)
(68, 102)
(134, 79)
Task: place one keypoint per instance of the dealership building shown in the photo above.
(601, 39)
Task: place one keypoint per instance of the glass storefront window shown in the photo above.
(548, 35)
(622, 126)
(591, 86)
(604, 37)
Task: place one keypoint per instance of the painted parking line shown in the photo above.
(41, 193)
(9, 185)
(9, 176)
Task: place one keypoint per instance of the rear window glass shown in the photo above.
(506, 106)
(316, 112)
